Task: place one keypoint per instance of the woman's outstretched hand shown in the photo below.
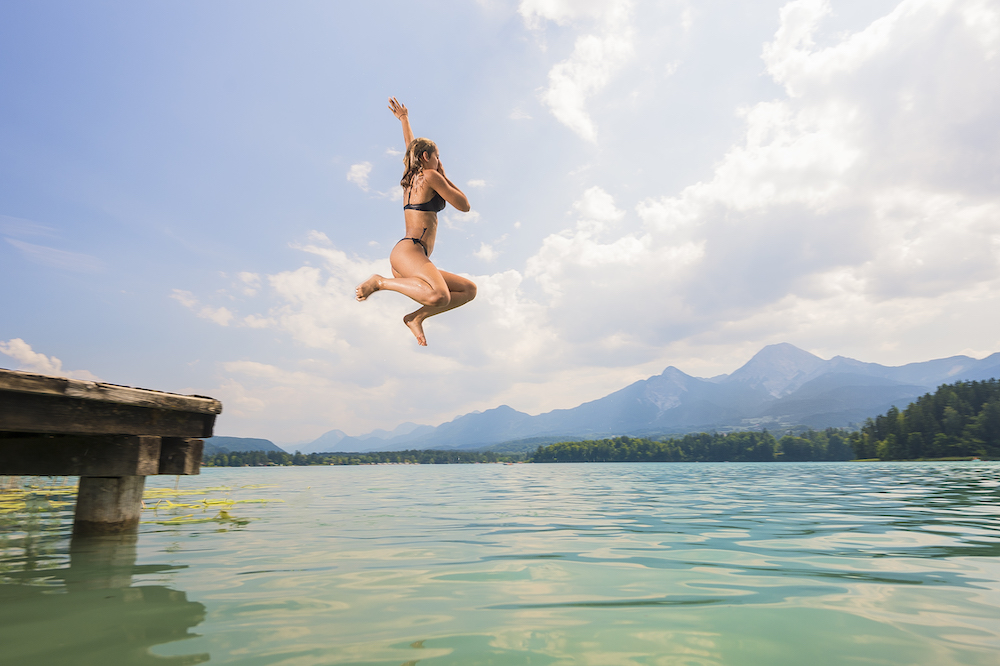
(397, 109)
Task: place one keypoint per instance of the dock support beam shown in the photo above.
(108, 504)
(110, 436)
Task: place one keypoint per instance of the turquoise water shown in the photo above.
(743, 564)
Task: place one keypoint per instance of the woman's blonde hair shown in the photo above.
(411, 161)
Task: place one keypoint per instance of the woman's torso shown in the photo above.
(422, 224)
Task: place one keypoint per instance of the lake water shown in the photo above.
(694, 564)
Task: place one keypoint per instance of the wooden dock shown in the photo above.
(111, 436)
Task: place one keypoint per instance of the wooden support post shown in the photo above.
(108, 504)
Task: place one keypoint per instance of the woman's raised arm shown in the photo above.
(403, 115)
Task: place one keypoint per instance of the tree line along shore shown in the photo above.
(958, 421)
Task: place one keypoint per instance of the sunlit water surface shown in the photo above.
(813, 563)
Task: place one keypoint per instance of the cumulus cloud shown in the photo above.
(252, 282)
(456, 219)
(394, 193)
(595, 57)
(32, 361)
(256, 321)
(862, 197)
(853, 194)
(221, 315)
(564, 12)
(486, 253)
(358, 174)
(366, 358)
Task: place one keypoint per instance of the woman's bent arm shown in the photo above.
(440, 183)
(403, 115)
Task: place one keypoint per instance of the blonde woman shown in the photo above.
(426, 190)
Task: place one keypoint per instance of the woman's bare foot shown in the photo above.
(368, 287)
(416, 326)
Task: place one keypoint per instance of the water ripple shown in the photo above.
(820, 563)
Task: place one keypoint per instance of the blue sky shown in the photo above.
(189, 192)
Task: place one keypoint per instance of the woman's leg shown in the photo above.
(415, 276)
(461, 291)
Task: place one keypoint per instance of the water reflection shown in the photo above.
(90, 613)
(723, 564)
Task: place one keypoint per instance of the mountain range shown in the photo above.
(782, 386)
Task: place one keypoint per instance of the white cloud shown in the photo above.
(32, 361)
(597, 210)
(394, 193)
(476, 182)
(393, 152)
(983, 20)
(251, 279)
(252, 282)
(358, 174)
(857, 210)
(369, 358)
(221, 315)
(60, 259)
(589, 278)
(255, 321)
(518, 114)
(240, 403)
(595, 57)
(587, 70)
(853, 191)
(563, 12)
(456, 219)
(486, 253)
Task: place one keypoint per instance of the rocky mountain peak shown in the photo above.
(778, 369)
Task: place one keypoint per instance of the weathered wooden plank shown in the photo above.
(180, 455)
(108, 505)
(60, 455)
(27, 412)
(25, 382)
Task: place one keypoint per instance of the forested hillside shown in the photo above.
(276, 458)
(958, 420)
(829, 444)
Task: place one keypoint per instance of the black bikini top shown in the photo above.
(435, 205)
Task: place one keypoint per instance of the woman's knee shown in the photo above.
(471, 289)
(440, 299)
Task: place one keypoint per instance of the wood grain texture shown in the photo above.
(180, 455)
(25, 382)
(62, 455)
(47, 413)
(108, 505)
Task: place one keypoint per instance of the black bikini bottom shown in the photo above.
(417, 241)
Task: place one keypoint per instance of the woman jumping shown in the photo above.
(413, 273)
